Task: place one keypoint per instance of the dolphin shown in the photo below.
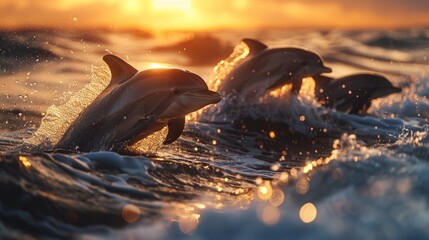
(353, 93)
(135, 105)
(270, 68)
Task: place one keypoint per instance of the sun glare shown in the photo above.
(164, 5)
(132, 5)
(157, 65)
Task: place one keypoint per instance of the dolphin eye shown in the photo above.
(175, 91)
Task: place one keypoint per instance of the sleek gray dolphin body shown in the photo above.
(135, 105)
(354, 93)
(265, 69)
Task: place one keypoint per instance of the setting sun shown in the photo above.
(163, 5)
(161, 15)
(132, 5)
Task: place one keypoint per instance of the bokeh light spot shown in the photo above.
(130, 213)
(188, 224)
(270, 215)
(265, 191)
(308, 213)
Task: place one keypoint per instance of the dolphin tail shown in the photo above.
(175, 129)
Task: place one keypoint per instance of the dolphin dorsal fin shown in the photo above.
(255, 46)
(175, 129)
(120, 70)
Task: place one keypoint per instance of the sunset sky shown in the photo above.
(213, 14)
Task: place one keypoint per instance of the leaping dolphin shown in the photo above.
(265, 69)
(135, 105)
(354, 93)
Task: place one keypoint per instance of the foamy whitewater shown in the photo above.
(273, 167)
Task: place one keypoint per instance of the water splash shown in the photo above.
(224, 67)
(150, 144)
(59, 118)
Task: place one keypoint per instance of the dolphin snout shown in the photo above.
(396, 90)
(325, 69)
(205, 94)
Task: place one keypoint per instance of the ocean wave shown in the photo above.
(400, 40)
(199, 49)
(17, 53)
(350, 190)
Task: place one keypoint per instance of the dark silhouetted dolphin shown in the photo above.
(135, 105)
(353, 93)
(265, 69)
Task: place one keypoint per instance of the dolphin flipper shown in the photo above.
(121, 71)
(137, 132)
(255, 46)
(288, 77)
(175, 129)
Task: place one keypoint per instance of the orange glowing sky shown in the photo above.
(213, 14)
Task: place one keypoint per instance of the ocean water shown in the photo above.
(273, 167)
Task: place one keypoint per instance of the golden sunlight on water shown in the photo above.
(24, 161)
(224, 67)
(151, 143)
(307, 89)
(269, 194)
(186, 215)
(281, 91)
